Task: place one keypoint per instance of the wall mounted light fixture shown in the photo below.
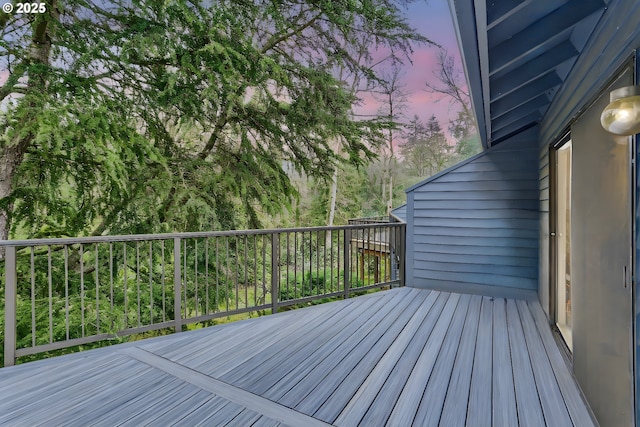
(622, 115)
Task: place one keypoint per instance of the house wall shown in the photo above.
(543, 257)
(475, 226)
(601, 295)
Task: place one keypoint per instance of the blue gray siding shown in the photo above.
(543, 289)
(477, 224)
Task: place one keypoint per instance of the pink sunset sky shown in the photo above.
(432, 18)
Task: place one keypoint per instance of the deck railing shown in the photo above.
(60, 293)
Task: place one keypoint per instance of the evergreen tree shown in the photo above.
(425, 149)
(136, 116)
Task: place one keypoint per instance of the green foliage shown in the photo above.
(143, 116)
(312, 283)
(467, 147)
(425, 149)
(351, 184)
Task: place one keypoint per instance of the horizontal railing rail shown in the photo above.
(65, 292)
(369, 220)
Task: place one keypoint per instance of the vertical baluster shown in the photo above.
(264, 268)
(177, 285)
(97, 291)
(33, 299)
(338, 259)
(162, 278)
(366, 257)
(124, 275)
(275, 271)
(246, 267)
(217, 274)
(324, 263)
(287, 261)
(185, 283)
(331, 260)
(347, 261)
(226, 283)
(366, 279)
(403, 243)
(195, 268)
(302, 261)
(237, 271)
(376, 256)
(151, 282)
(50, 280)
(354, 255)
(206, 273)
(255, 270)
(357, 257)
(81, 250)
(111, 283)
(387, 242)
(361, 277)
(295, 264)
(66, 291)
(139, 302)
(317, 234)
(390, 246)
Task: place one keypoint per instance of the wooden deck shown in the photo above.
(398, 357)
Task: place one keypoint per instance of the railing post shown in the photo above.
(10, 298)
(177, 284)
(347, 261)
(403, 252)
(275, 273)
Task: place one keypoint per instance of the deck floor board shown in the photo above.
(336, 375)
(529, 414)
(408, 380)
(568, 387)
(454, 412)
(552, 402)
(359, 404)
(268, 366)
(432, 402)
(504, 393)
(305, 364)
(399, 357)
(480, 393)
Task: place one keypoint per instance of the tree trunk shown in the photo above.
(390, 204)
(13, 152)
(9, 160)
(332, 205)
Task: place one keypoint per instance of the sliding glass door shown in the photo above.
(563, 242)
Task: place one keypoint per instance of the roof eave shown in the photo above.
(463, 14)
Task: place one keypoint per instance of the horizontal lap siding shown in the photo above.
(478, 224)
(543, 269)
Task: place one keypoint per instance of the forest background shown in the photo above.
(121, 117)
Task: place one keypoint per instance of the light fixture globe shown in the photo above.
(622, 115)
